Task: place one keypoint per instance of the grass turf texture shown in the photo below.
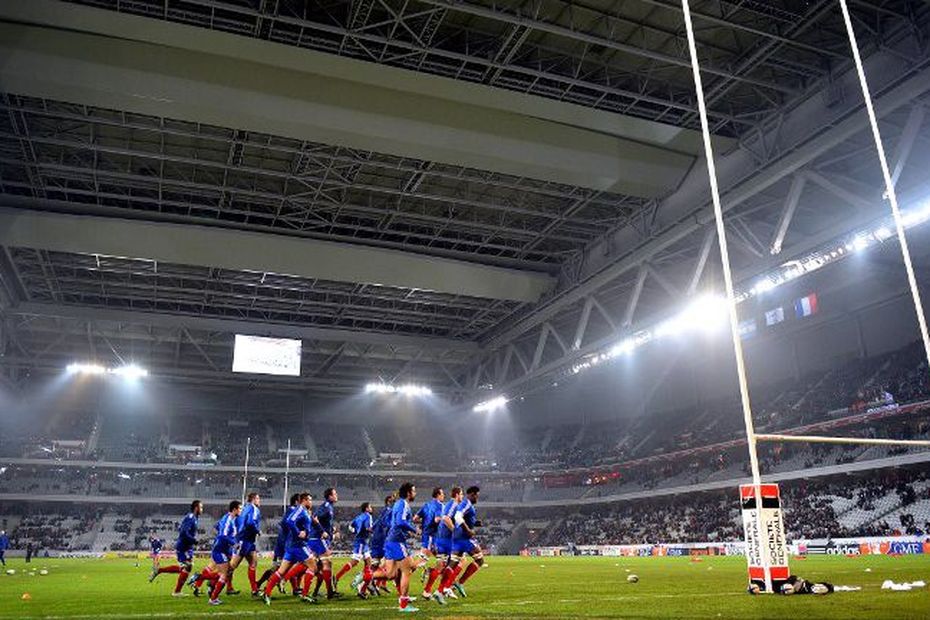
(515, 588)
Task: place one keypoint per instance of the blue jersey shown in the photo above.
(464, 513)
(362, 525)
(283, 528)
(226, 532)
(401, 526)
(4, 542)
(382, 524)
(324, 518)
(448, 510)
(428, 514)
(187, 532)
(157, 545)
(249, 523)
(298, 520)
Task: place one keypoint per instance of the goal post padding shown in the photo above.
(766, 547)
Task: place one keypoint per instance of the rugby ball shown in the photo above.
(43, 572)
(632, 578)
(10, 571)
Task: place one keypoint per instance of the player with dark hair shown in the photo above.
(443, 543)
(249, 525)
(298, 559)
(156, 544)
(428, 518)
(321, 538)
(463, 542)
(361, 526)
(280, 546)
(217, 571)
(363, 583)
(183, 548)
(399, 562)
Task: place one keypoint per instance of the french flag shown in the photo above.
(806, 306)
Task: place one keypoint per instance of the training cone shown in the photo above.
(26, 596)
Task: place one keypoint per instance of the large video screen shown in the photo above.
(267, 356)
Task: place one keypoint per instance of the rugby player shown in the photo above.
(183, 548)
(249, 525)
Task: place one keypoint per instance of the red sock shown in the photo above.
(169, 569)
(229, 586)
(205, 575)
(272, 582)
(471, 570)
(403, 601)
(295, 584)
(342, 571)
(252, 582)
(450, 574)
(328, 580)
(296, 571)
(182, 577)
(308, 581)
(217, 588)
(433, 576)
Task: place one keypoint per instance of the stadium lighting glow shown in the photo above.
(709, 312)
(406, 390)
(130, 371)
(86, 369)
(491, 405)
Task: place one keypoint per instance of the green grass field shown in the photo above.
(508, 587)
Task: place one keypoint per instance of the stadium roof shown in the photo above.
(458, 193)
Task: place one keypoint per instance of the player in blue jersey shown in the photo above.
(399, 562)
(442, 541)
(4, 545)
(464, 542)
(156, 544)
(298, 558)
(250, 526)
(224, 543)
(361, 527)
(428, 518)
(280, 546)
(363, 584)
(321, 539)
(183, 548)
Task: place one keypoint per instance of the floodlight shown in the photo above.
(130, 371)
(406, 390)
(491, 405)
(86, 369)
(883, 233)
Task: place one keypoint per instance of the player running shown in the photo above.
(156, 544)
(463, 542)
(4, 545)
(321, 537)
(361, 526)
(249, 525)
(280, 546)
(428, 517)
(183, 548)
(443, 543)
(363, 584)
(217, 571)
(298, 559)
(399, 562)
